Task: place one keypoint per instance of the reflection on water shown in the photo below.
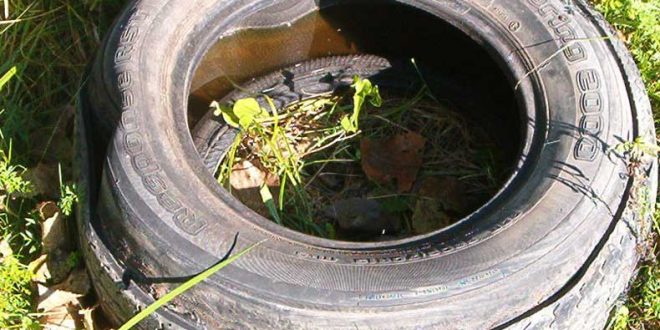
(392, 31)
(253, 53)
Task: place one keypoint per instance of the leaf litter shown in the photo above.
(358, 165)
(56, 279)
(398, 156)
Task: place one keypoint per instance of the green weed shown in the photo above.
(68, 196)
(44, 48)
(638, 22)
(16, 295)
(281, 143)
(11, 179)
(620, 319)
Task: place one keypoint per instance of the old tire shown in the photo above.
(555, 248)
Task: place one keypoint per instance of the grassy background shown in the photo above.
(49, 43)
(638, 23)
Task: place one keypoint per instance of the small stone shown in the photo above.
(55, 235)
(363, 215)
(58, 265)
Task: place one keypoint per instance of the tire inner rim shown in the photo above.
(465, 69)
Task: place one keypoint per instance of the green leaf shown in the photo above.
(181, 289)
(364, 91)
(267, 198)
(247, 111)
(226, 112)
(5, 77)
(375, 99)
(348, 125)
(244, 113)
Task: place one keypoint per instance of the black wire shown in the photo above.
(132, 274)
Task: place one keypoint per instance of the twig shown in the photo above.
(553, 55)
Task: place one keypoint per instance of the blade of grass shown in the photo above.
(267, 198)
(183, 288)
(5, 77)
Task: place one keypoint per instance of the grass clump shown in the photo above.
(282, 143)
(638, 23)
(44, 48)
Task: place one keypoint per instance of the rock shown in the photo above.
(54, 231)
(362, 215)
(58, 265)
(77, 282)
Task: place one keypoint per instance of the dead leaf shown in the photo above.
(246, 180)
(5, 250)
(60, 318)
(47, 209)
(39, 269)
(60, 304)
(50, 298)
(87, 318)
(450, 192)
(429, 216)
(246, 175)
(398, 157)
(44, 178)
(54, 230)
(437, 197)
(41, 274)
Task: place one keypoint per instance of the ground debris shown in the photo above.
(363, 215)
(246, 180)
(438, 197)
(399, 157)
(60, 305)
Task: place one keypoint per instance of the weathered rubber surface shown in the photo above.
(604, 281)
(555, 248)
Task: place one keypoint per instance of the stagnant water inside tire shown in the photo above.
(439, 159)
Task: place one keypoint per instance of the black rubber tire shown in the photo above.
(555, 247)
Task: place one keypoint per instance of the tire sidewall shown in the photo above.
(521, 249)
